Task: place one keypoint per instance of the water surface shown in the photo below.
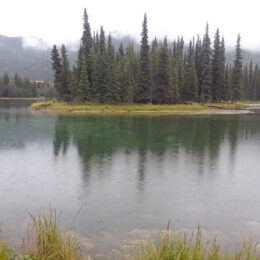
(126, 173)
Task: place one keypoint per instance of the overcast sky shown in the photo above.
(57, 21)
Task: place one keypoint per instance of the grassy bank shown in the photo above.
(18, 98)
(47, 241)
(178, 108)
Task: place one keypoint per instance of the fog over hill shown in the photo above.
(30, 57)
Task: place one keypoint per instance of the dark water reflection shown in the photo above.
(130, 172)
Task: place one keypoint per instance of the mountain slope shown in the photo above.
(26, 61)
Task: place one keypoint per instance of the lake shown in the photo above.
(116, 177)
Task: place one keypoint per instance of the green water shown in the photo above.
(115, 177)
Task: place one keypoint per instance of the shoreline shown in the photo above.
(178, 109)
(203, 112)
(19, 98)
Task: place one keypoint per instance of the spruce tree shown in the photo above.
(65, 73)
(121, 73)
(73, 85)
(101, 69)
(144, 78)
(206, 77)
(162, 88)
(180, 66)
(190, 91)
(173, 95)
(113, 92)
(56, 66)
(102, 42)
(228, 79)
(84, 92)
(87, 43)
(217, 72)
(237, 72)
(121, 52)
(245, 89)
(221, 78)
(255, 89)
(131, 71)
(94, 87)
(154, 58)
(198, 63)
(250, 80)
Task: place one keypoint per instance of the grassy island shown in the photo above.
(177, 108)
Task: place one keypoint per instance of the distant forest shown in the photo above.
(19, 87)
(159, 73)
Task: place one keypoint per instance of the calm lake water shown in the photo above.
(114, 177)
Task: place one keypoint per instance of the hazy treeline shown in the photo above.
(24, 87)
(157, 73)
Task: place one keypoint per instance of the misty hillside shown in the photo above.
(27, 62)
(35, 63)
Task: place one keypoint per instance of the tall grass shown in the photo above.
(184, 247)
(5, 252)
(46, 241)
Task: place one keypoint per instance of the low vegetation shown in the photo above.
(172, 246)
(106, 107)
(47, 241)
(88, 107)
(18, 98)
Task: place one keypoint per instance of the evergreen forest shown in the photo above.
(19, 87)
(159, 72)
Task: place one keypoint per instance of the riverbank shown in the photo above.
(18, 98)
(46, 240)
(193, 108)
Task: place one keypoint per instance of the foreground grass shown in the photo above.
(184, 247)
(46, 241)
(91, 107)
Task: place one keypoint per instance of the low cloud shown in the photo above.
(34, 42)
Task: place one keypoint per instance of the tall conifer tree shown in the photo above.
(221, 78)
(102, 68)
(113, 91)
(144, 78)
(198, 63)
(250, 80)
(191, 83)
(65, 73)
(84, 92)
(56, 66)
(216, 68)
(162, 89)
(154, 57)
(131, 72)
(237, 72)
(206, 77)
(87, 43)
